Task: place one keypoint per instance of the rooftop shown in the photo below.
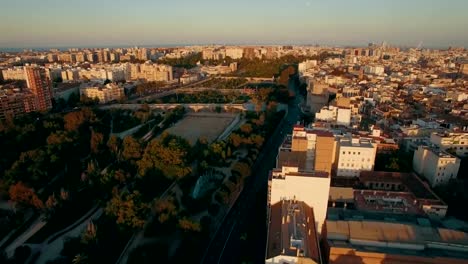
(398, 238)
(410, 181)
(356, 142)
(292, 231)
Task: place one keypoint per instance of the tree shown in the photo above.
(24, 196)
(165, 209)
(188, 225)
(393, 164)
(168, 154)
(131, 148)
(96, 141)
(242, 168)
(80, 258)
(114, 144)
(257, 140)
(89, 235)
(31, 167)
(74, 120)
(127, 208)
(246, 129)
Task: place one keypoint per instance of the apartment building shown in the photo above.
(453, 141)
(354, 155)
(336, 115)
(40, 85)
(234, 53)
(151, 72)
(105, 94)
(435, 164)
(313, 150)
(15, 103)
(16, 73)
(312, 188)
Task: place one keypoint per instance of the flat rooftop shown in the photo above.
(393, 202)
(292, 231)
(410, 181)
(300, 173)
(397, 238)
(356, 143)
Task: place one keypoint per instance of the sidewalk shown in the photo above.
(36, 226)
(52, 247)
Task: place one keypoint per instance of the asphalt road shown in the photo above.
(225, 246)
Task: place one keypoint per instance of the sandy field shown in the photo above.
(207, 125)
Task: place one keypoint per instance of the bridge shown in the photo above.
(188, 107)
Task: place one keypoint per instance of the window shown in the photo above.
(344, 152)
(359, 153)
(349, 152)
(342, 164)
(354, 153)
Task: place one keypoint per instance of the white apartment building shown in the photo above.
(306, 65)
(116, 75)
(375, 70)
(105, 94)
(313, 188)
(151, 72)
(16, 73)
(455, 141)
(70, 75)
(354, 155)
(234, 53)
(338, 115)
(93, 74)
(436, 165)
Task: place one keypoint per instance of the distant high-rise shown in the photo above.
(39, 84)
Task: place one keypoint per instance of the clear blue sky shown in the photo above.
(46, 23)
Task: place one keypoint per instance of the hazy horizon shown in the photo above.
(86, 23)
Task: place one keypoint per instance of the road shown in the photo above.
(224, 248)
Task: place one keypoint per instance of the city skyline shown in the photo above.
(144, 23)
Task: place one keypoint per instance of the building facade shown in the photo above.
(40, 85)
(436, 165)
(354, 155)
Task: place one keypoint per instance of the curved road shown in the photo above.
(225, 246)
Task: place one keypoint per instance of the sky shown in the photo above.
(99, 23)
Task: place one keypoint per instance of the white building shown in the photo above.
(116, 75)
(457, 142)
(353, 156)
(105, 94)
(436, 165)
(375, 70)
(93, 74)
(288, 183)
(234, 53)
(16, 73)
(70, 75)
(306, 65)
(333, 114)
